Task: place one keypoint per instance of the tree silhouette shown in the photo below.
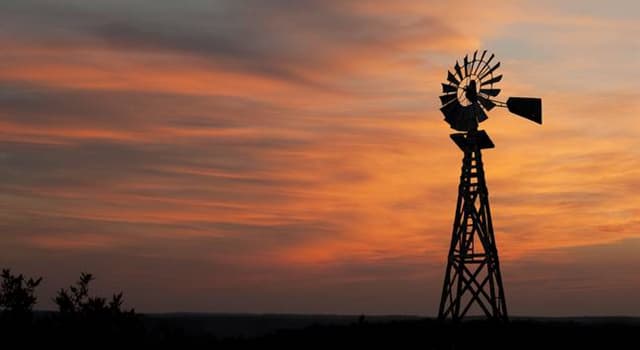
(77, 301)
(84, 317)
(17, 296)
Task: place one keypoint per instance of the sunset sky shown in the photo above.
(289, 156)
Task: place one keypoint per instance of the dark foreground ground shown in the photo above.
(294, 331)
(406, 332)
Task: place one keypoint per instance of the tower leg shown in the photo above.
(472, 277)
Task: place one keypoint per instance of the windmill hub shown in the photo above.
(471, 92)
(472, 277)
(467, 91)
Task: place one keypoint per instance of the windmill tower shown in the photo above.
(472, 277)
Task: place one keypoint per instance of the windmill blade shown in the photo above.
(466, 63)
(475, 54)
(526, 107)
(486, 103)
(479, 113)
(457, 123)
(446, 88)
(451, 122)
(480, 61)
(445, 99)
(452, 79)
(487, 64)
(457, 68)
(489, 71)
(490, 92)
(451, 112)
(492, 81)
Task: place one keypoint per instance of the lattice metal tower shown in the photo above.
(473, 277)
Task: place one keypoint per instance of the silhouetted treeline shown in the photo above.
(80, 317)
(85, 320)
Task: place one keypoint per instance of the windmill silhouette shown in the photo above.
(472, 276)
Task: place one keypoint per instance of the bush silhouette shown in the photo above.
(17, 297)
(76, 301)
(85, 316)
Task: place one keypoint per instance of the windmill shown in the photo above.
(472, 276)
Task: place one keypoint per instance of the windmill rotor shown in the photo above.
(471, 91)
